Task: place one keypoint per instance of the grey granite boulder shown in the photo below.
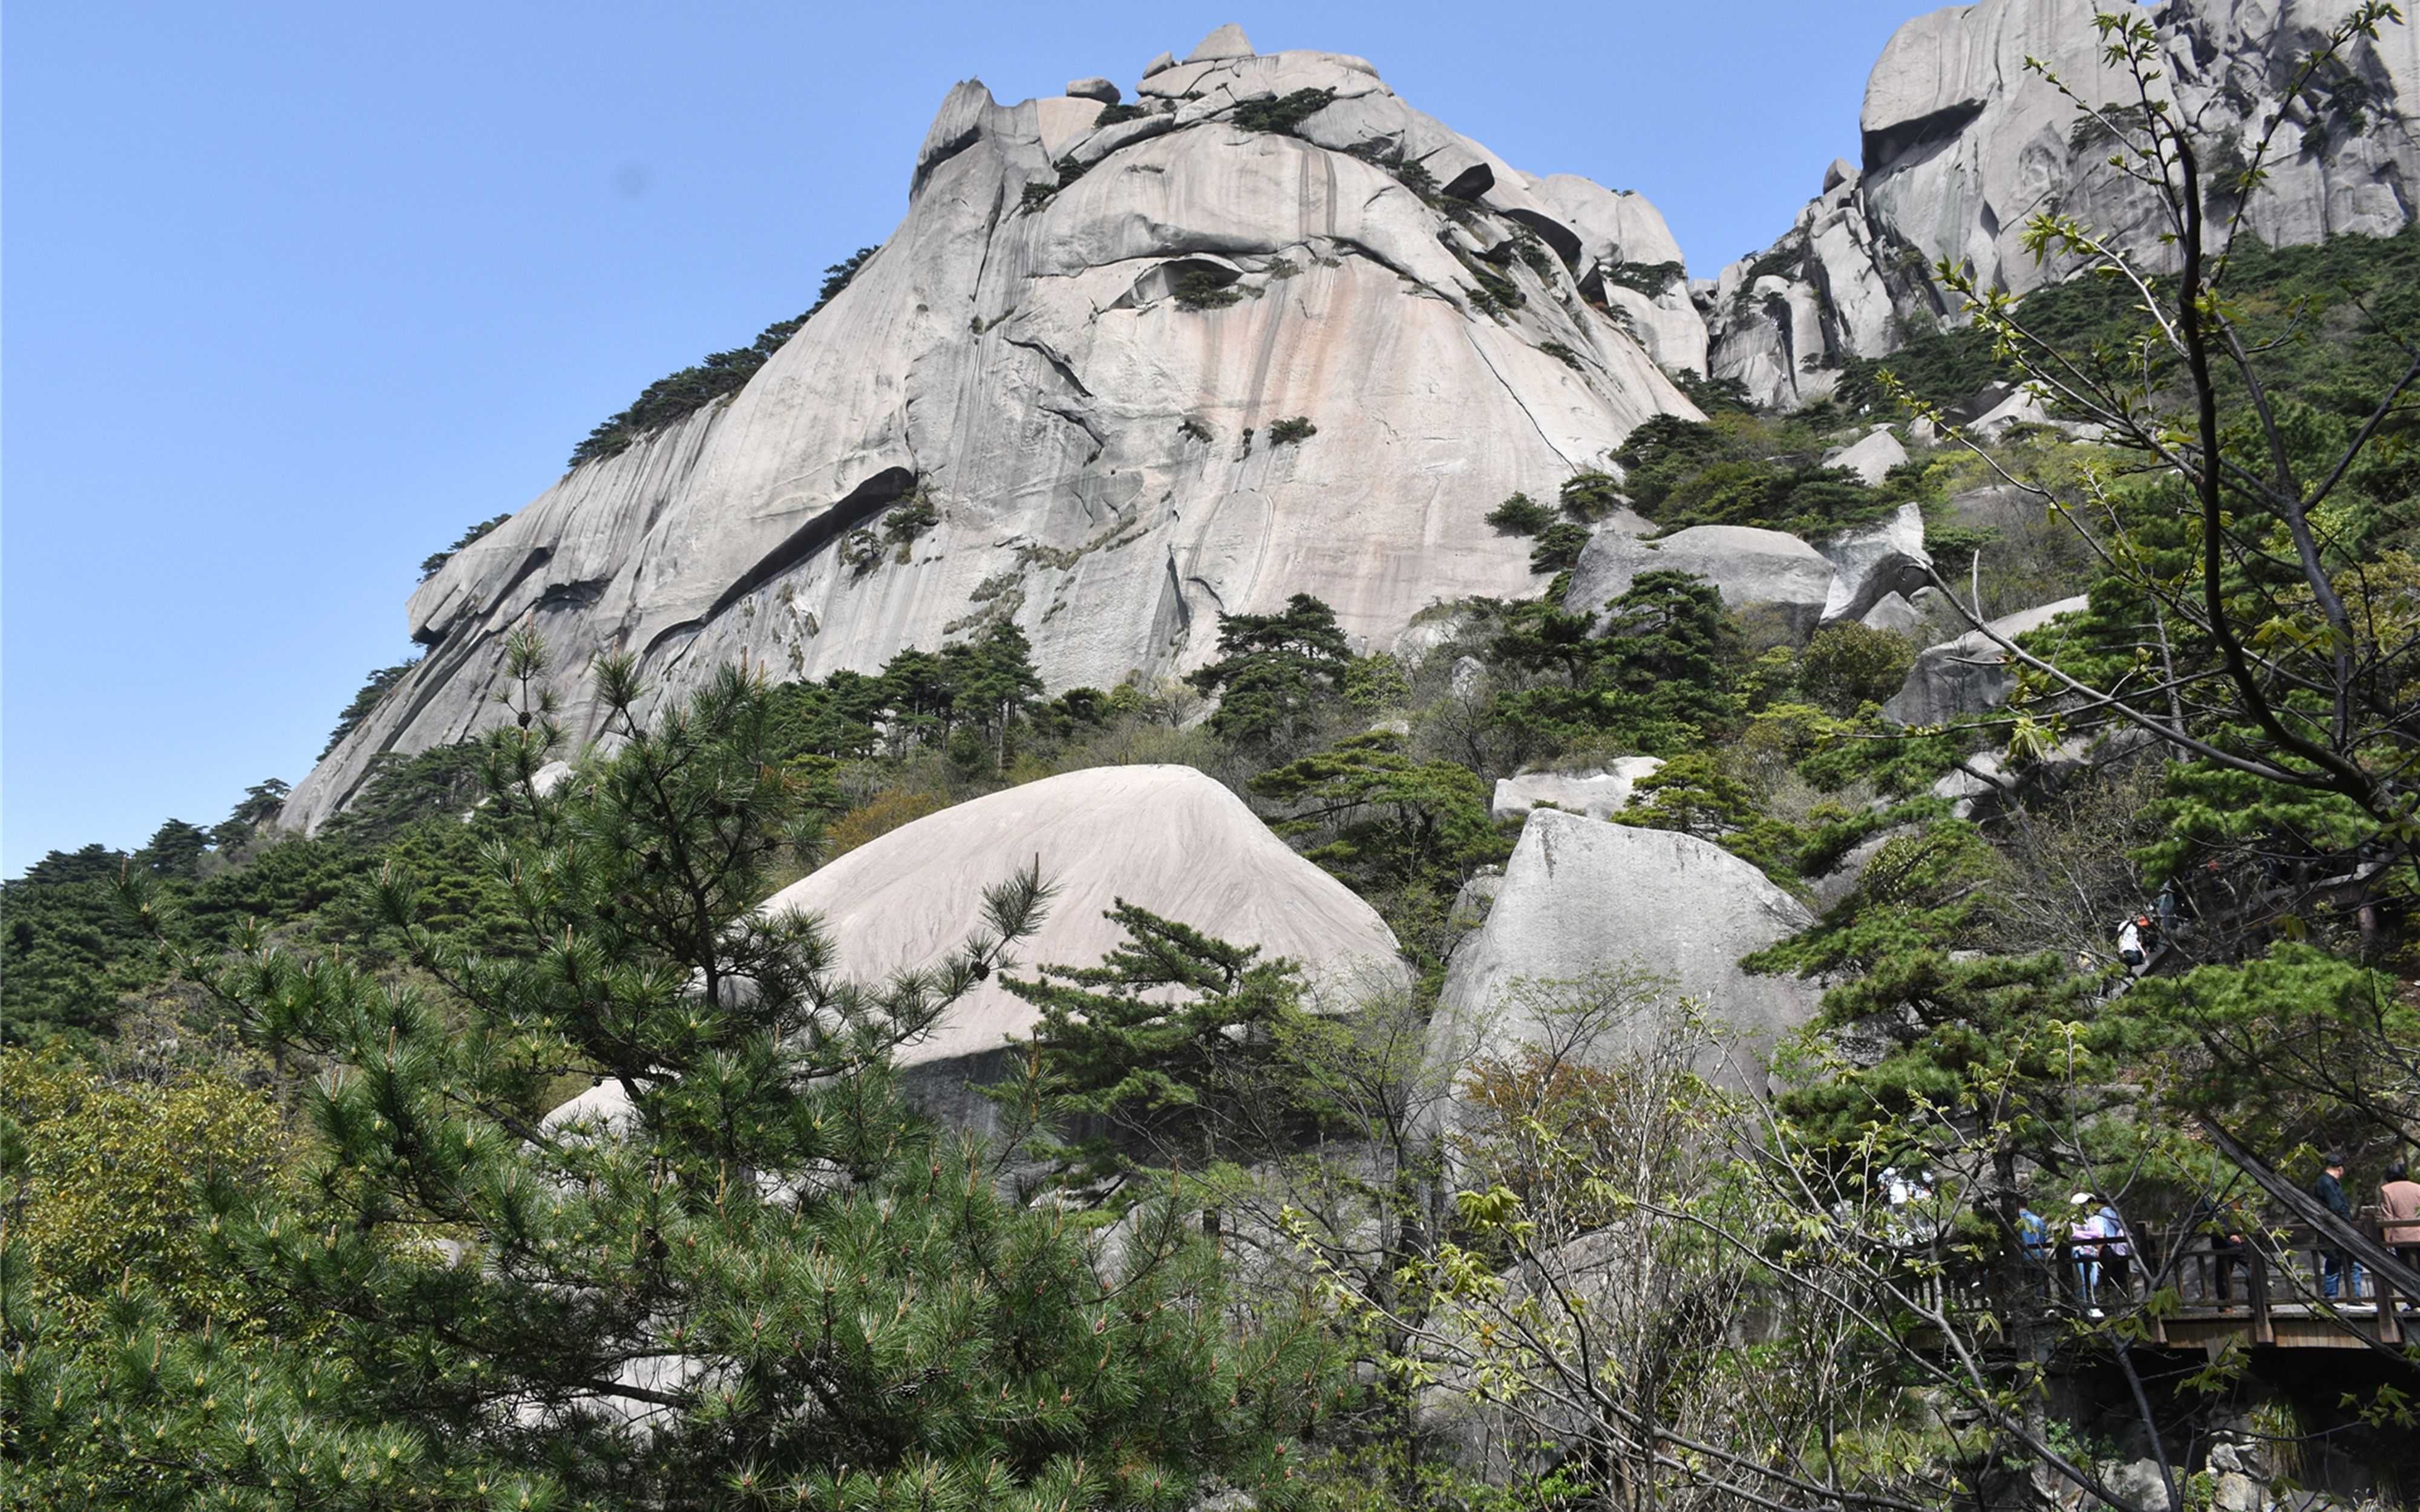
(1580, 896)
(1875, 561)
(1870, 458)
(1165, 838)
(1598, 791)
(1968, 675)
(1228, 41)
(1750, 566)
(1096, 87)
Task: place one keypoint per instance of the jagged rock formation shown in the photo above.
(1581, 896)
(1164, 837)
(1962, 145)
(1071, 353)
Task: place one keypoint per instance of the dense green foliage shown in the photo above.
(881, 1329)
(1272, 669)
(1739, 469)
(1283, 114)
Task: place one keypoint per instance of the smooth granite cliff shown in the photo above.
(1961, 144)
(1077, 351)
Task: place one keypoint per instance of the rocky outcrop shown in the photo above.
(1068, 368)
(1877, 562)
(1598, 791)
(1970, 674)
(1752, 567)
(1962, 145)
(1581, 896)
(1164, 837)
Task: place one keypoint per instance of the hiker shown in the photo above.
(2033, 1238)
(2130, 943)
(2115, 1259)
(2330, 1190)
(2083, 1242)
(2398, 1212)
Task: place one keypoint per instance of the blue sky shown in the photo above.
(293, 293)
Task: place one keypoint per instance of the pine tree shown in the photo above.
(753, 1277)
(1159, 1055)
(1272, 671)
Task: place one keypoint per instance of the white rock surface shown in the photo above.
(1228, 41)
(1751, 566)
(1875, 561)
(1165, 838)
(1961, 144)
(1025, 370)
(1870, 458)
(1581, 896)
(1967, 675)
(1598, 792)
(1893, 614)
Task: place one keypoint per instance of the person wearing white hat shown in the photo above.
(2084, 1238)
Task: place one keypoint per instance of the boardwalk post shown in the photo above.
(2255, 1264)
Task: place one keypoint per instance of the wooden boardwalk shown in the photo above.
(2267, 1293)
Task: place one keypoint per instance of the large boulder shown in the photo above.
(1750, 566)
(1599, 792)
(1019, 366)
(1876, 561)
(1970, 674)
(1168, 839)
(1581, 896)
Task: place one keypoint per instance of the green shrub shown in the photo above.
(1037, 194)
(1287, 432)
(1201, 289)
(1497, 294)
(1117, 114)
(1562, 354)
(1650, 279)
(1194, 428)
(1283, 115)
(1521, 516)
(1533, 253)
(1847, 665)
(1590, 495)
(374, 690)
(1559, 546)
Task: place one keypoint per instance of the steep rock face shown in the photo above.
(1962, 145)
(1078, 379)
(1581, 896)
(1168, 839)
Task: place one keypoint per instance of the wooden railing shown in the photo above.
(2270, 1289)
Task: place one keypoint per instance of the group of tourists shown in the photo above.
(2097, 1243)
(2102, 1253)
(2398, 1214)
